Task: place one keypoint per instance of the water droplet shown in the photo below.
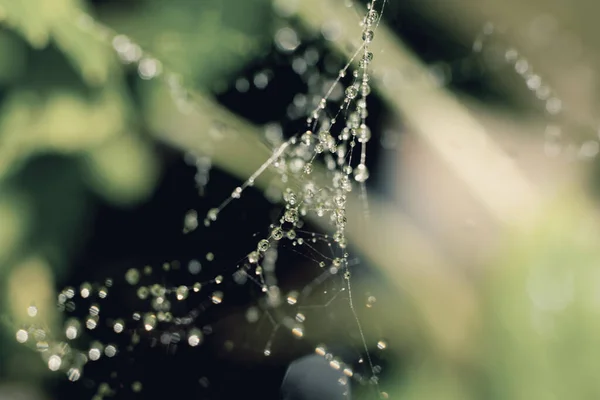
(212, 214)
(371, 17)
(361, 173)
(94, 310)
(72, 329)
(182, 292)
(298, 331)
(367, 35)
(289, 196)
(110, 350)
(32, 311)
(136, 386)
(263, 245)
(54, 362)
(85, 290)
(157, 290)
(22, 336)
(42, 346)
(118, 326)
(91, 322)
(364, 133)
(277, 233)
(195, 337)
(351, 92)
(190, 222)
(94, 353)
(149, 322)
(217, 297)
(292, 298)
(237, 193)
(320, 350)
(74, 374)
(253, 257)
(252, 314)
(371, 301)
(286, 39)
(335, 364)
(149, 68)
(194, 267)
(143, 292)
(132, 276)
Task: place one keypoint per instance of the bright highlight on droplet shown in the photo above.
(54, 362)
(149, 68)
(74, 374)
(182, 292)
(85, 290)
(217, 297)
(94, 354)
(287, 39)
(32, 311)
(298, 331)
(110, 350)
(292, 298)
(195, 337)
(71, 332)
(22, 336)
(118, 326)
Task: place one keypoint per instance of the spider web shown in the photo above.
(173, 316)
(317, 164)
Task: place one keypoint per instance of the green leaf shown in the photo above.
(124, 170)
(40, 21)
(206, 41)
(60, 121)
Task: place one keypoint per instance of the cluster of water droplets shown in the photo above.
(319, 169)
(60, 350)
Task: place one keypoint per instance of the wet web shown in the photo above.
(173, 316)
(296, 282)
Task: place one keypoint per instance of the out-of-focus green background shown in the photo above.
(496, 243)
(75, 120)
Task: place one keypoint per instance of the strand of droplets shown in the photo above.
(555, 142)
(317, 199)
(326, 199)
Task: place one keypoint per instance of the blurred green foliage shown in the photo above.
(537, 324)
(71, 122)
(542, 302)
(65, 91)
